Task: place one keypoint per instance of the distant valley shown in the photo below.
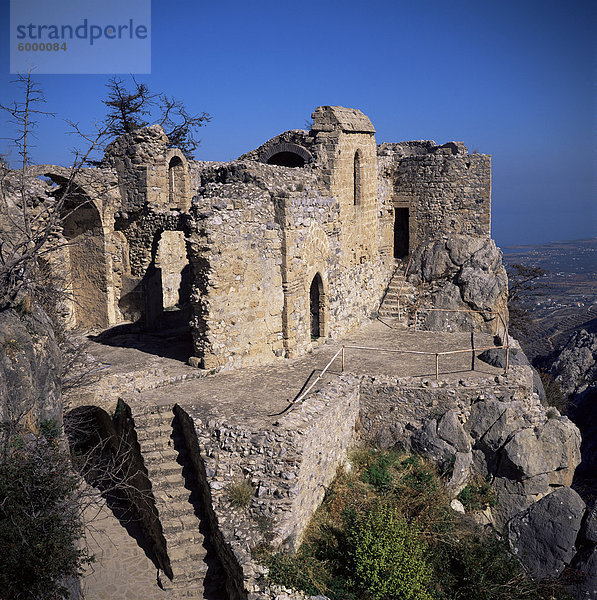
(565, 299)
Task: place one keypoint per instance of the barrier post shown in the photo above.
(342, 359)
(436, 365)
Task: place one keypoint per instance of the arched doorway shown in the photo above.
(316, 307)
(82, 228)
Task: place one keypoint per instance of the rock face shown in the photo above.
(498, 430)
(586, 566)
(30, 366)
(544, 535)
(497, 358)
(462, 273)
(575, 369)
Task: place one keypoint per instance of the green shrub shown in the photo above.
(385, 531)
(386, 554)
(377, 471)
(478, 496)
(300, 572)
(40, 520)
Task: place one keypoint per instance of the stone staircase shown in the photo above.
(399, 300)
(195, 572)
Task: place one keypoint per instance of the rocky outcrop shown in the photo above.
(460, 274)
(493, 427)
(575, 368)
(30, 368)
(544, 536)
(497, 358)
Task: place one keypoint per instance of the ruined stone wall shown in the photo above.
(137, 157)
(346, 151)
(260, 235)
(447, 190)
(289, 465)
(236, 253)
(141, 273)
(314, 245)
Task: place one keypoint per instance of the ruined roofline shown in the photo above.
(294, 145)
(340, 118)
(422, 148)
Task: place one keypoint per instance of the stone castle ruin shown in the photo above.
(266, 259)
(291, 244)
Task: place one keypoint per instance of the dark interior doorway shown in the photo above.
(315, 306)
(401, 241)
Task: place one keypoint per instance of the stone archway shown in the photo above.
(88, 278)
(286, 154)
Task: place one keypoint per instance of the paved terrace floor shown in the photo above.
(256, 396)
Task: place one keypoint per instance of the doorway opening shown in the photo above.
(316, 307)
(401, 234)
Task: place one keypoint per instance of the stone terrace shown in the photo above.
(253, 396)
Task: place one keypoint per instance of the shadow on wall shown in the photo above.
(105, 453)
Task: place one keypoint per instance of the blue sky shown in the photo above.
(512, 78)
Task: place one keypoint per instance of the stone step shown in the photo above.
(180, 525)
(404, 300)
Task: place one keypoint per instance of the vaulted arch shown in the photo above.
(286, 154)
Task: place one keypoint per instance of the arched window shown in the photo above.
(357, 178)
(316, 307)
(176, 186)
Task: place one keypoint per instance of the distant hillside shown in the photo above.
(566, 298)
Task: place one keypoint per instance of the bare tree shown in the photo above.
(523, 280)
(29, 216)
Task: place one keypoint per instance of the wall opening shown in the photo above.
(356, 178)
(176, 184)
(286, 159)
(82, 228)
(168, 284)
(316, 307)
(401, 233)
